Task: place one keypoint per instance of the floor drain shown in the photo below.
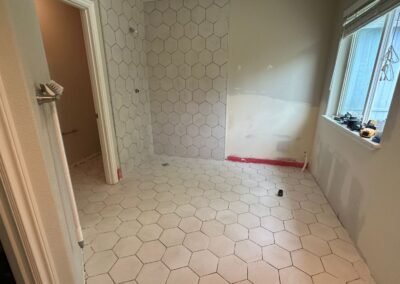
(164, 164)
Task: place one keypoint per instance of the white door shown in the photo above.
(26, 31)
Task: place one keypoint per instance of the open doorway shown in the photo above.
(74, 57)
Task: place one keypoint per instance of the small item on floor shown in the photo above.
(280, 193)
(164, 164)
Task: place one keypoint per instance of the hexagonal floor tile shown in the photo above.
(239, 207)
(125, 269)
(281, 213)
(221, 246)
(169, 221)
(209, 208)
(248, 251)
(148, 204)
(248, 220)
(219, 204)
(339, 267)
(292, 275)
(213, 228)
(261, 272)
(236, 232)
(127, 246)
(148, 217)
(226, 217)
(111, 210)
(261, 236)
(129, 214)
(153, 273)
(149, 232)
(105, 241)
(232, 268)
(277, 256)
(182, 276)
(190, 224)
(128, 228)
(344, 250)
(272, 224)
(108, 224)
(172, 237)
(297, 228)
(203, 262)
(196, 241)
(322, 231)
(151, 251)
(287, 241)
(100, 262)
(304, 216)
(315, 245)
(259, 210)
(166, 207)
(176, 257)
(100, 279)
(186, 210)
(205, 213)
(328, 219)
(212, 279)
(307, 262)
(325, 278)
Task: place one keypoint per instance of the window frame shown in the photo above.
(346, 65)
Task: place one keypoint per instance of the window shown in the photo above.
(371, 69)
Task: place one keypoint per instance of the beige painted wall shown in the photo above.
(363, 186)
(64, 44)
(277, 60)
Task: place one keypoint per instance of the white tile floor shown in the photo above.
(209, 222)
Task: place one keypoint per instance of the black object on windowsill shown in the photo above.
(354, 124)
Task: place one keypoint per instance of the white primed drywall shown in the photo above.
(363, 185)
(277, 59)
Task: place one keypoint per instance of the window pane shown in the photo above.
(361, 66)
(388, 75)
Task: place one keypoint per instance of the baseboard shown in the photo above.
(282, 163)
(84, 160)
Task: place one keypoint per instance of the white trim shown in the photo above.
(386, 35)
(65, 170)
(9, 236)
(18, 189)
(365, 142)
(358, 8)
(98, 74)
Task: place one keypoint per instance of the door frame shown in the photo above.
(18, 206)
(98, 74)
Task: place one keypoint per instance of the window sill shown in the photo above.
(367, 143)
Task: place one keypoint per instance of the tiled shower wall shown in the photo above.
(187, 45)
(126, 64)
